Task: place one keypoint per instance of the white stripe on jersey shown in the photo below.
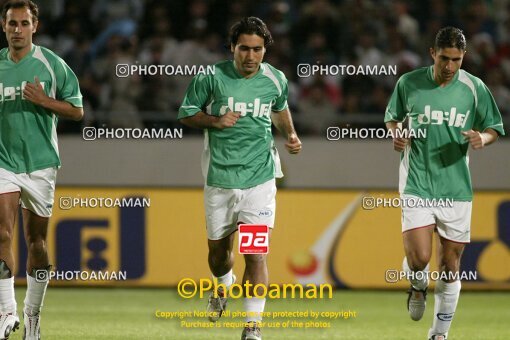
(267, 72)
(53, 94)
(465, 79)
(404, 162)
(206, 156)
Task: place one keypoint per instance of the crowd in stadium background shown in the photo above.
(94, 36)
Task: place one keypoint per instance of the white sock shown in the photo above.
(446, 296)
(254, 308)
(7, 299)
(226, 279)
(419, 279)
(35, 295)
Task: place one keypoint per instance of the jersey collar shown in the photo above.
(22, 59)
(261, 69)
(431, 77)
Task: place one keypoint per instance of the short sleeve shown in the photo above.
(197, 96)
(396, 109)
(487, 112)
(280, 103)
(68, 87)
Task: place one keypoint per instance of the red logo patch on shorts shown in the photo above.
(253, 239)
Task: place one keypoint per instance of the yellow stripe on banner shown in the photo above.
(157, 237)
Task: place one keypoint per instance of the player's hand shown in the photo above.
(293, 144)
(34, 92)
(399, 144)
(474, 138)
(228, 120)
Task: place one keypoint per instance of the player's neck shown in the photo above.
(440, 81)
(17, 55)
(244, 74)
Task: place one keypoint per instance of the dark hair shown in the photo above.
(250, 25)
(20, 4)
(450, 37)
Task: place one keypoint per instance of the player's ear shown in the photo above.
(232, 48)
(36, 24)
(432, 52)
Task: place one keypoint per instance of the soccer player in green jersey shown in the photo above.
(235, 107)
(36, 87)
(456, 110)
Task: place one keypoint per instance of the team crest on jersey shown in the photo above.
(256, 108)
(8, 93)
(437, 117)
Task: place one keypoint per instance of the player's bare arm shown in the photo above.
(283, 122)
(478, 140)
(399, 144)
(34, 92)
(205, 121)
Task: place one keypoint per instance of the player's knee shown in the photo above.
(220, 256)
(5, 237)
(5, 271)
(418, 260)
(451, 264)
(254, 259)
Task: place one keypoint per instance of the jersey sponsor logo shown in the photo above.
(265, 213)
(256, 108)
(8, 93)
(438, 117)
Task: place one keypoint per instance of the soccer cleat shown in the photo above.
(416, 303)
(32, 330)
(438, 337)
(8, 323)
(216, 306)
(251, 332)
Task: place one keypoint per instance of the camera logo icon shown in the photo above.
(89, 133)
(304, 70)
(122, 70)
(66, 203)
(333, 133)
(368, 203)
(392, 276)
(42, 275)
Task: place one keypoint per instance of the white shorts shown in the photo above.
(225, 208)
(452, 223)
(37, 189)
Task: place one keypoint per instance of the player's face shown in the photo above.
(248, 53)
(447, 62)
(19, 28)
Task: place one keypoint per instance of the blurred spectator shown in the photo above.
(501, 93)
(315, 110)
(94, 36)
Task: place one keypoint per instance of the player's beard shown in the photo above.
(250, 68)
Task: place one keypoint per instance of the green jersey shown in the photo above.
(28, 134)
(436, 165)
(244, 155)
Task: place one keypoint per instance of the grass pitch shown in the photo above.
(118, 313)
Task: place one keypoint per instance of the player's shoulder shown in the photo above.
(45, 53)
(270, 70)
(221, 69)
(414, 76)
(469, 79)
(3, 53)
